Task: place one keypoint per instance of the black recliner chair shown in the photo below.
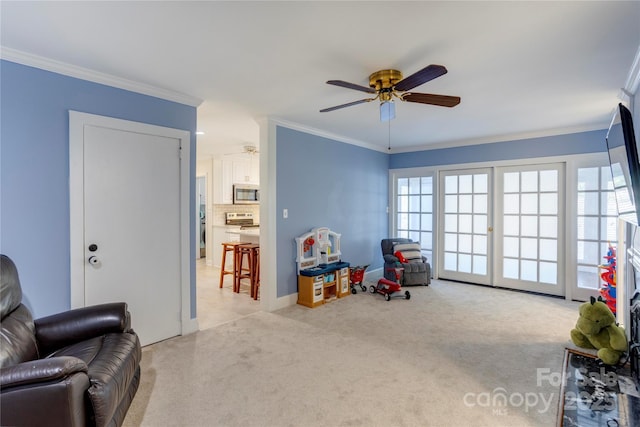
(76, 368)
(417, 271)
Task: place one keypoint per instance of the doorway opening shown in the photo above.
(201, 209)
(215, 305)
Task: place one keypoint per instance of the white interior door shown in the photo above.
(130, 207)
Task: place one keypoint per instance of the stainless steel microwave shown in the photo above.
(246, 194)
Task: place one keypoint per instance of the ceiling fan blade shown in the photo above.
(337, 107)
(353, 86)
(429, 98)
(428, 73)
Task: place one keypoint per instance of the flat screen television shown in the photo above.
(625, 167)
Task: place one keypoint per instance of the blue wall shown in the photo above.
(34, 174)
(323, 182)
(558, 145)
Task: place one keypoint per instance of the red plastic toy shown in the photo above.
(356, 276)
(608, 276)
(388, 287)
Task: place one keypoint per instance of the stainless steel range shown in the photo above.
(242, 219)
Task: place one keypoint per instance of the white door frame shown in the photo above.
(197, 217)
(77, 122)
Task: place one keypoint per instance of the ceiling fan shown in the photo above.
(390, 84)
(250, 150)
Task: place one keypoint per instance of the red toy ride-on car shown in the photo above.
(387, 287)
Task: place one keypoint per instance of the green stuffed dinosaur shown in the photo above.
(597, 328)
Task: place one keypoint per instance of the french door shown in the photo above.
(529, 236)
(595, 228)
(464, 252)
(414, 211)
(501, 227)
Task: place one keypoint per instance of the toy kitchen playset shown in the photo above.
(322, 277)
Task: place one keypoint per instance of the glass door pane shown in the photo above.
(528, 222)
(465, 199)
(414, 211)
(595, 228)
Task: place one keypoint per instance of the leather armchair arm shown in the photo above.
(62, 329)
(40, 371)
(45, 392)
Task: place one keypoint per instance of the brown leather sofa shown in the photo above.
(76, 368)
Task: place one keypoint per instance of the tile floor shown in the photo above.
(215, 305)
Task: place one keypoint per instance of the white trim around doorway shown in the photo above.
(77, 122)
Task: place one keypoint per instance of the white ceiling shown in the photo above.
(521, 68)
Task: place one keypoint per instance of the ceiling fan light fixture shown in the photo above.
(250, 149)
(387, 84)
(387, 111)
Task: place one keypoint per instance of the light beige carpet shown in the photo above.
(452, 355)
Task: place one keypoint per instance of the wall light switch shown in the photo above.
(285, 213)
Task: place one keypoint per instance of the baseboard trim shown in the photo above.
(373, 275)
(190, 326)
(285, 301)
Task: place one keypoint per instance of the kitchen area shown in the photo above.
(228, 196)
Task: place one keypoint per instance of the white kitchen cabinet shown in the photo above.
(246, 169)
(241, 171)
(222, 181)
(254, 169)
(219, 236)
(229, 170)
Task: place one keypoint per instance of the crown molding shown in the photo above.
(504, 138)
(324, 134)
(442, 145)
(628, 93)
(48, 64)
(633, 80)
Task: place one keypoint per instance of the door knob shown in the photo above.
(93, 260)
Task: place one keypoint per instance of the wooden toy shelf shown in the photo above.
(329, 284)
(321, 276)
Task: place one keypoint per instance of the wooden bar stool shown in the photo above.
(248, 271)
(229, 247)
(255, 288)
